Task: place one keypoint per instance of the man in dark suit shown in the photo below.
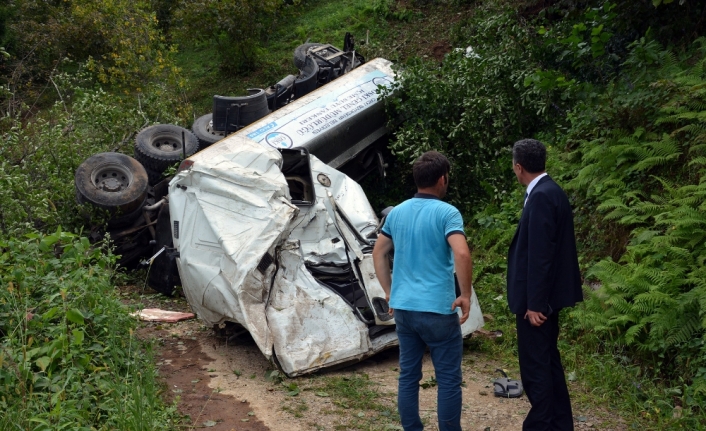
(542, 278)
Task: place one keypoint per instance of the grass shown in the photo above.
(353, 392)
(397, 38)
(353, 400)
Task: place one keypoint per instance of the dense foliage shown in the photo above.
(68, 355)
(76, 78)
(648, 177)
(118, 40)
(235, 26)
(470, 106)
(623, 118)
(39, 157)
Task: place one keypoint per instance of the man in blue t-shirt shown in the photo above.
(429, 242)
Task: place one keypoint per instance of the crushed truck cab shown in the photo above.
(270, 235)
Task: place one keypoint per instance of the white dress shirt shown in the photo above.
(531, 185)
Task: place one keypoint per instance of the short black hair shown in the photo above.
(429, 167)
(530, 154)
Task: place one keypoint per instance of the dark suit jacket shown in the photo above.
(542, 265)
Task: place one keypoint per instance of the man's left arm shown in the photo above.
(464, 273)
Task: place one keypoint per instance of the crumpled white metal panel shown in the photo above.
(311, 325)
(236, 209)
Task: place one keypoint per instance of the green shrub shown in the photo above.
(472, 107)
(118, 39)
(234, 26)
(39, 157)
(625, 134)
(68, 355)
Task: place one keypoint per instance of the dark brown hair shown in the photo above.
(530, 154)
(429, 167)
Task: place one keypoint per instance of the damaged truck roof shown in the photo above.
(278, 240)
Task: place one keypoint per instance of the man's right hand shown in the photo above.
(465, 303)
(535, 318)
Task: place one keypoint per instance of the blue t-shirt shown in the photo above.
(422, 274)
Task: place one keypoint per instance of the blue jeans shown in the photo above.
(442, 333)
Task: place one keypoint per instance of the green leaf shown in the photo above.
(50, 313)
(33, 352)
(429, 383)
(75, 316)
(274, 376)
(40, 421)
(43, 363)
(78, 336)
(47, 242)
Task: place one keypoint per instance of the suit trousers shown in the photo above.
(543, 376)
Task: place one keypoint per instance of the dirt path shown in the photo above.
(223, 385)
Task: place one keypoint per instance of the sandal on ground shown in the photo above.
(507, 388)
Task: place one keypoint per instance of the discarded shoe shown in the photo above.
(507, 388)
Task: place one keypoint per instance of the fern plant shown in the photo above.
(651, 179)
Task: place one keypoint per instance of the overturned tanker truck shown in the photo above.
(267, 231)
(272, 237)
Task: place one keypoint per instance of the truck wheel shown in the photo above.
(302, 51)
(203, 129)
(124, 220)
(111, 181)
(159, 146)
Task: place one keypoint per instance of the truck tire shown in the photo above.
(234, 113)
(124, 220)
(307, 81)
(112, 181)
(153, 177)
(159, 146)
(203, 129)
(301, 52)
